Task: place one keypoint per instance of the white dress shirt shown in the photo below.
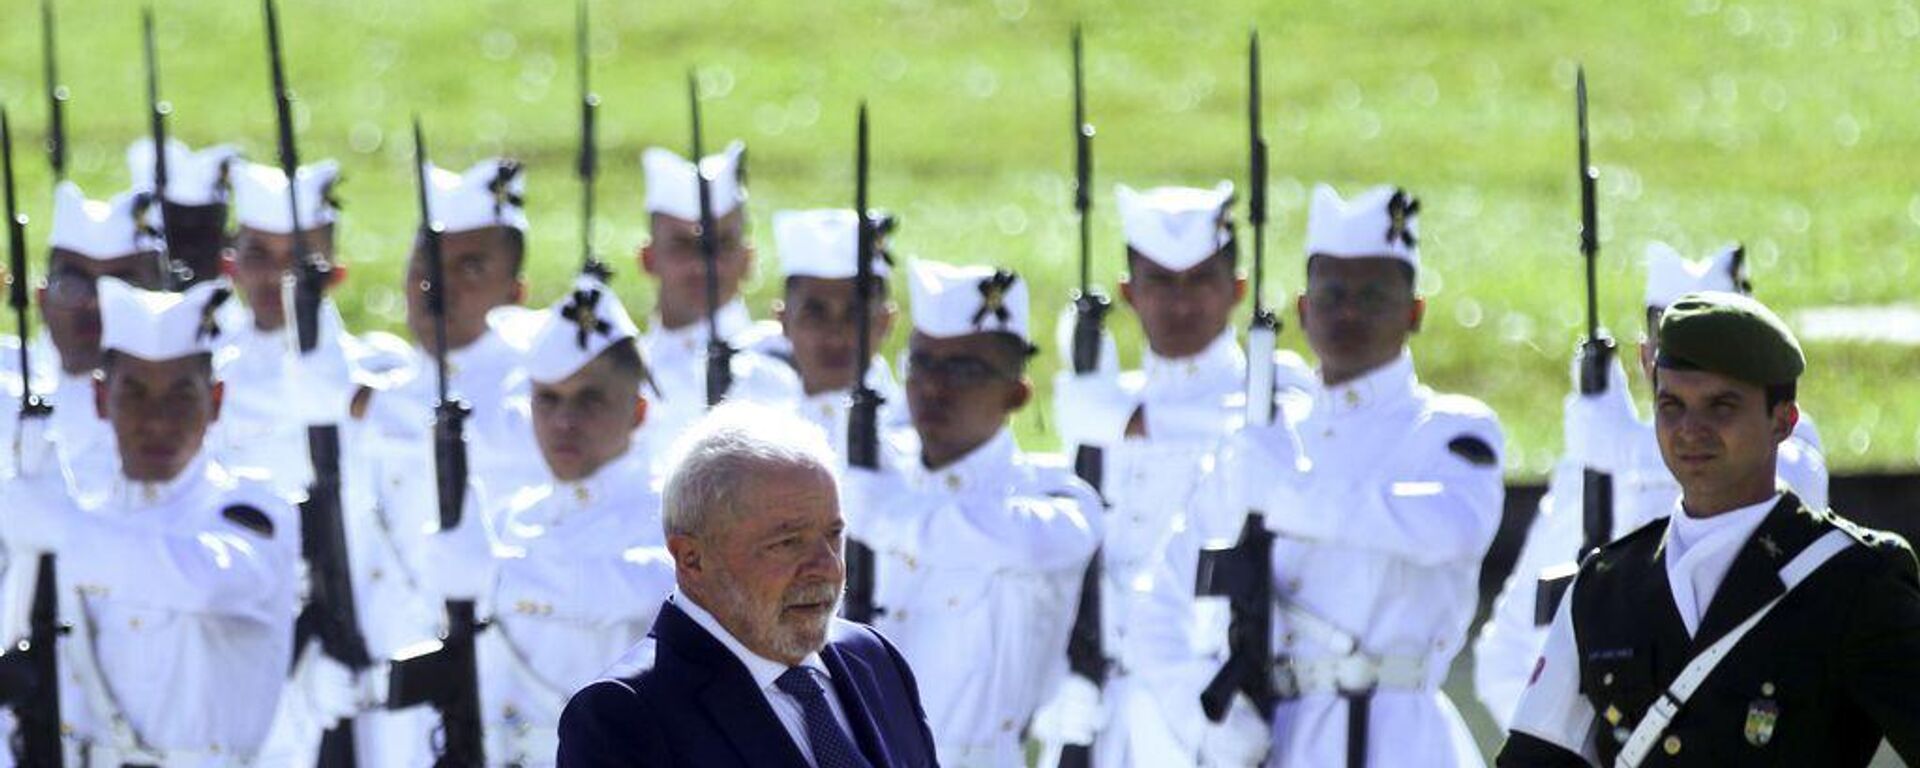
(765, 671)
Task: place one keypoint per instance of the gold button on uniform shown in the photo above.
(1671, 745)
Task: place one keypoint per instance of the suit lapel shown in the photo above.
(854, 684)
(733, 703)
(1754, 577)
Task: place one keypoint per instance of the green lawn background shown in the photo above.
(1784, 124)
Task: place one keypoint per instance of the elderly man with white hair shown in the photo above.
(740, 664)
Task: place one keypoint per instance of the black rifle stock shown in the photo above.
(444, 675)
(1244, 573)
(863, 416)
(30, 670)
(1086, 642)
(331, 614)
(719, 352)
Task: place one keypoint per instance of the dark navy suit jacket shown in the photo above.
(698, 706)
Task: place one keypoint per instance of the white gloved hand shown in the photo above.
(1267, 466)
(34, 452)
(1240, 739)
(323, 690)
(1107, 364)
(866, 495)
(1074, 715)
(459, 563)
(38, 513)
(1091, 409)
(1589, 422)
(320, 379)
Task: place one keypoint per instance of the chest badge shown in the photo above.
(1762, 716)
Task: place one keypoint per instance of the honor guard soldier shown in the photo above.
(484, 240)
(818, 252)
(193, 207)
(178, 560)
(1746, 628)
(1384, 496)
(980, 547)
(1604, 433)
(1157, 427)
(675, 344)
(581, 566)
(89, 239)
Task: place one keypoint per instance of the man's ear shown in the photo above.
(687, 556)
(639, 411)
(1300, 309)
(1126, 288)
(100, 396)
(1785, 417)
(1021, 395)
(1417, 313)
(779, 307)
(337, 276)
(1239, 287)
(219, 394)
(519, 293)
(645, 258)
(229, 267)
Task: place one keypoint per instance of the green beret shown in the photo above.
(1731, 335)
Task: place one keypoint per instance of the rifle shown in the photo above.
(1086, 642)
(863, 418)
(1596, 358)
(56, 97)
(719, 353)
(445, 674)
(588, 167)
(157, 111)
(1244, 573)
(30, 671)
(331, 614)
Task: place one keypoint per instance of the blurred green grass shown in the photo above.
(1787, 125)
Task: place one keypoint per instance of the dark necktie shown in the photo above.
(832, 747)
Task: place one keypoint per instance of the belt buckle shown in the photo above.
(1356, 674)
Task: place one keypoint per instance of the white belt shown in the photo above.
(100, 755)
(1357, 673)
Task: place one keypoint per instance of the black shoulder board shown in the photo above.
(250, 518)
(1473, 449)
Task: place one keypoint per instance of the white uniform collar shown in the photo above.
(1222, 356)
(1700, 551)
(763, 670)
(733, 320)
(612, 481)
(980, 469)
(1387, 384)
(129, 494)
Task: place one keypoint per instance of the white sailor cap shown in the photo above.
(260, 197)
(1670, 276)
(489, 194)
(193, 178)
(581, 325)
(1380, 222)
(1176, 227)
(951, 301)
(161, 325)
(672, 189)
(825, 242)
(95, 229)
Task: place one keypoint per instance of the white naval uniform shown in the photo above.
(828, 410)
(1187, 405)
(1643, 490)
(582, 571)
(978, 570)
(1382, 545)
(182, 616)
(677, 360)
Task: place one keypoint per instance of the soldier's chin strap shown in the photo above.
(1640, 743)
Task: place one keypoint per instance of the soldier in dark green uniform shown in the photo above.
(1746, 629)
